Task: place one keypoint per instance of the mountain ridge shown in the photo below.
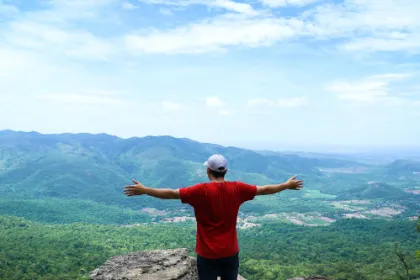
(35, 165)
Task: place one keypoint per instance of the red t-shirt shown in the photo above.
(216, 207)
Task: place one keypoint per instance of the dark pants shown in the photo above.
(226, 268)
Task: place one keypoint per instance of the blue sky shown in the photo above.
(261, 73)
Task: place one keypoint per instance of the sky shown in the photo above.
(264, 74)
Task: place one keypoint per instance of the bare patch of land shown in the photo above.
(153, 211)
(355, 215)
(178, 219)
(416, 192)
(305, 219)
(385, 212)
(346, 170)
(350, 205)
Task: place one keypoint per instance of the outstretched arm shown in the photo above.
(291, 184)
(140, 189)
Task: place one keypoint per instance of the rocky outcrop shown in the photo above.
(149, 265)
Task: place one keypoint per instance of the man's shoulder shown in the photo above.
(240, 183)
(193, 186)
(190, 194)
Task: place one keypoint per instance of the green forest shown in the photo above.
(347, 250)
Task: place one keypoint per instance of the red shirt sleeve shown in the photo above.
(192, 195)
(246, 192)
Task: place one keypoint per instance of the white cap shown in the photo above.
(217, 163)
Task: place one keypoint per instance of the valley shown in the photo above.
(62, 210)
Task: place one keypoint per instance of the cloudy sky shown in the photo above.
(254, 73)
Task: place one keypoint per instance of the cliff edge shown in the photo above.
(149, 265)
(173, 264)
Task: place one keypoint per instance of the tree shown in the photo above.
(404, 261)
(418, 230)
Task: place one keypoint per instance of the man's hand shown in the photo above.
(140, 189)
(136, 189)
(293, 184)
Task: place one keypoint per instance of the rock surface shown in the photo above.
(149, 265)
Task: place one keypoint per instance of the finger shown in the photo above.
(135, 182)
(294, 177)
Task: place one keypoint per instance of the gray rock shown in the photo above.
(149, 265)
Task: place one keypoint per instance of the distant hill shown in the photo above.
(96, 167)
(322, 160)
(375, 190)
(403, 167)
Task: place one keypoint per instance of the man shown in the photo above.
(216, 205)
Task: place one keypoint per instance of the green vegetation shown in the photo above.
(317, 194)
(96, 167)
(349, 249)
(402, 167)
(59, 211)
(63, 213)
(31, 250)
(375, 191)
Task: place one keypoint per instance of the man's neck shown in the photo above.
(221, 180)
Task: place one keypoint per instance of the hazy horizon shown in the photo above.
(411, 151)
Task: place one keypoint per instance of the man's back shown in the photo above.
(216, 206)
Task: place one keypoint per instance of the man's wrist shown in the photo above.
(145, 190)
(284, 186)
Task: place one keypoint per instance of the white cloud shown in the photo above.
(55, 31)
(215, 35)
(411, 44)
(7, 10)
(281, 3)
(373, 89)
(391, 76)
(242, 8)
(171, 105)
(229, 5)
(128, 6)
(49, 54)
(355, 25)
(367, 25)
(70, 42)
(214, 102)
(292, 102)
